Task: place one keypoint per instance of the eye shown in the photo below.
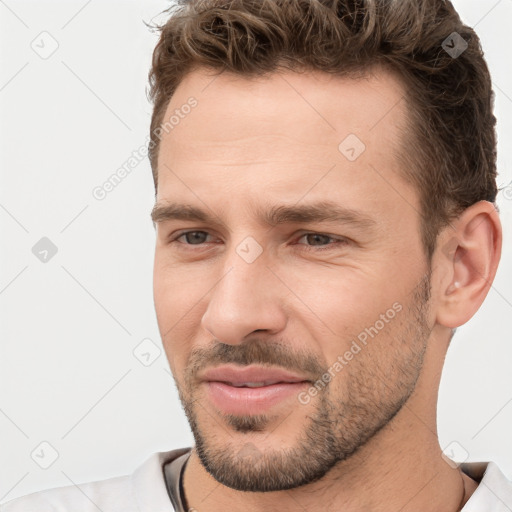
(192, 237)
(320, 242)
(314, 241)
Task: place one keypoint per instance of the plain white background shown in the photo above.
(69, 326)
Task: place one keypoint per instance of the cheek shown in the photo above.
(178, 341)
(340, 297)
(340, 306)
(372, 359)
(177, 302)
(175, 291)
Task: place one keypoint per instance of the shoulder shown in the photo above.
(143, 490)
(494, 491)
(100, 495)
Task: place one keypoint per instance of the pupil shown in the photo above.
(317, 237)
(198, 236)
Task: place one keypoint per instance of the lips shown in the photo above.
(250, 389)
(250, 376)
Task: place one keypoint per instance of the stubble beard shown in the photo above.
(337, 427)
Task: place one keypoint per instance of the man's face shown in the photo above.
(292, 343)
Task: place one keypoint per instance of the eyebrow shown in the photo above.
(324, 211)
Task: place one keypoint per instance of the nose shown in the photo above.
(246, 299)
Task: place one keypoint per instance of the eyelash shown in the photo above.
(342, 241)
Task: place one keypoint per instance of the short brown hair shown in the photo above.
(449, 149)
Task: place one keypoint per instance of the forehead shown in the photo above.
(325, 104)
(281, 134)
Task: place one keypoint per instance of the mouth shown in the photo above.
(254, 384)
(250, 389)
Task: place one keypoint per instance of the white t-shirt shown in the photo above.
(145, 490)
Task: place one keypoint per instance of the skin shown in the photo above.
(253, 144)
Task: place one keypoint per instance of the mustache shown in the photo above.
(256, 351)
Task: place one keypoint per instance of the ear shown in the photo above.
(466, 258)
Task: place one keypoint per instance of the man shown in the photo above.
(325, 212)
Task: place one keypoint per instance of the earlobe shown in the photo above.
(468, 259)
